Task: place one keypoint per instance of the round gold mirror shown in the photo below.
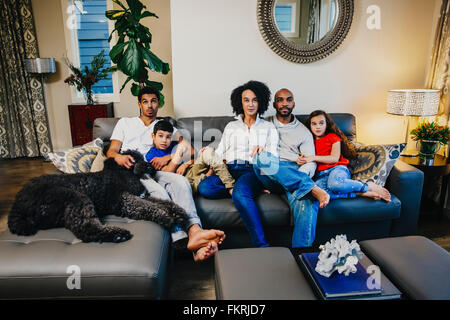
(304, 31)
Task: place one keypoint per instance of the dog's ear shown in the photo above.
(141, 168)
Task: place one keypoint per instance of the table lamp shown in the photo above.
(413, 102)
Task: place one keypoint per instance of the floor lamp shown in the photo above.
(41, 66)
(413, 103)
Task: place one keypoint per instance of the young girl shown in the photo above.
(332, 153)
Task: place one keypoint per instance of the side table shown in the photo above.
(82, 118)
(439, 168)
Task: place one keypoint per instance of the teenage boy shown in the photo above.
(135, 134)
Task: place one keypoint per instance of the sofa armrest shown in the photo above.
(406, 182)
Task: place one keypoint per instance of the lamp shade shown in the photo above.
(414, 102)
(40, 65)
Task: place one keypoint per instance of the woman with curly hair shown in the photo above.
(242, 139)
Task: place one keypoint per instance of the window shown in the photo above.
(87, 32)
(287, 15)
(283, 17)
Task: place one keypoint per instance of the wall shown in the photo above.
(216, 46)
(50, 23)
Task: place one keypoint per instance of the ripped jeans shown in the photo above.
(284, 176)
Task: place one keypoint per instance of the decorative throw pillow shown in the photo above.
(99, 162)
(375, 162)
(77, 159)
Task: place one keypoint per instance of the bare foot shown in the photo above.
(199, 238)
(370, 194)
(321, 195)
(205, 252)
(382, 192)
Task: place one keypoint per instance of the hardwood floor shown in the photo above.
(188, 280)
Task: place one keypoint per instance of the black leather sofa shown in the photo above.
(37, 266)
(359, 218)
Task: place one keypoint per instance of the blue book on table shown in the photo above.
(339, 285)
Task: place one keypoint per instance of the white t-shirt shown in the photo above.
(134, 134)
(238, 140)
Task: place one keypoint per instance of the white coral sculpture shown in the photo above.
(338, 254)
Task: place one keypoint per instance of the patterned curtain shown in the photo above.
(24, 130)
(438, 78)
(438, 75)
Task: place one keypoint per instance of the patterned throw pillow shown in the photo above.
(77, 159)
(375, 162)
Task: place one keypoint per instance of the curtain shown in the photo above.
(314, 21)
(438, 78)
(24, 130)
(438, 75)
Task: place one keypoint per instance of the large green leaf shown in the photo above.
(154, 63)
(147, 14)
(136, 7)
(114, 14)
(157, 85)
(131, 62)
(135, 88)
(116, 50)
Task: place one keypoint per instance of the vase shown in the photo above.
(89, 97)
(427, 150)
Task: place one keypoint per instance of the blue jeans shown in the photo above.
(336, 181)
(284, 176)
(246, 188)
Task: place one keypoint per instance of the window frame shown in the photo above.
(73, 54)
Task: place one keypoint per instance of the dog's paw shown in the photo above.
(123, 235)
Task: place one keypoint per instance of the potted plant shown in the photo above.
(85, 78)
(430, 136)
(131, 53)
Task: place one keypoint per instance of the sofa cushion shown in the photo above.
(39, 266)
(203, 130)
(223, 214)
(358, 210)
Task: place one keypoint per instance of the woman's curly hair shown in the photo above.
(261, 91)
(347, 148)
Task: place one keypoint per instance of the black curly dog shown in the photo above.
(78, 201)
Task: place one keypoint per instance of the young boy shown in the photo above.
(206, 163)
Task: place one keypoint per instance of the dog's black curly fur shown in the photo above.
(78, 201)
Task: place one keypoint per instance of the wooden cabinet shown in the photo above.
(82, 120)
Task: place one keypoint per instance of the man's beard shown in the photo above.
(284, 115)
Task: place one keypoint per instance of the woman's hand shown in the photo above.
(257, 150)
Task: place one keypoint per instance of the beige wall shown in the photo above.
(216, 45)
(49, 24)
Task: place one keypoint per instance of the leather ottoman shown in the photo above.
(54, 264)
(260, 274)
(416, 265)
